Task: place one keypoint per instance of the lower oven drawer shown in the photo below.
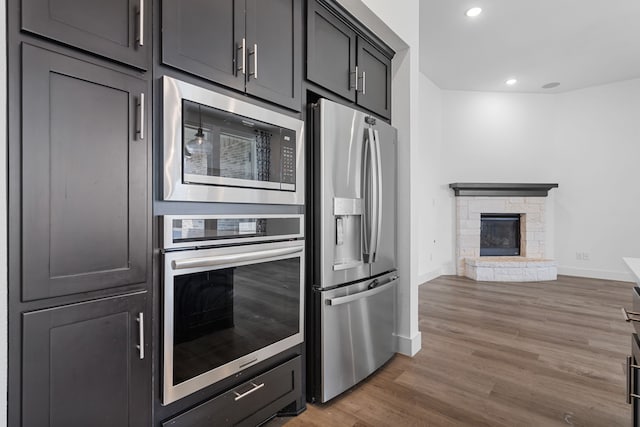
(249, 403)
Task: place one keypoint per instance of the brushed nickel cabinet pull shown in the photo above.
(254, 52)
(141, 24)
(630, 383)
(256, 387)
(626, 314)
(243, 50)
(355, 78)
(140, 346)
(364, 82)
(140, 130)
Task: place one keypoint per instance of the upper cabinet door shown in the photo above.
(331, 51)
(116, 29)
(273, 51)
(374, 75)
(84, 176)
(205, 38)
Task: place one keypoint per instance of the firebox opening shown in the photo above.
(499, 234)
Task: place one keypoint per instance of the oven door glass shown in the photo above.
(243, 308)
(223, 148)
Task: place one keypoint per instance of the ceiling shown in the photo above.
(578, 43)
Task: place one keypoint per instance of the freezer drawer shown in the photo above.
(357, 332)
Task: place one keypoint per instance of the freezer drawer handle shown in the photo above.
(363, 294)
(256, 387)
(212, 261)
(630, 368)
(626, 314)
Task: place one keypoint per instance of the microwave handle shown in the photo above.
(212, 261)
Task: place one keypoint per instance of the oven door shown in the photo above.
(226, 309)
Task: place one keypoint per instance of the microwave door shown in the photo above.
(341, 144)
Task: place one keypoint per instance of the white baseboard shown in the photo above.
(410, 346)
(448, 269)
(622, 276)
(433, 274)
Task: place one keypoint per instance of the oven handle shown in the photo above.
(212, 261)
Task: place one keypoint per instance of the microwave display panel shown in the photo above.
(222, 148)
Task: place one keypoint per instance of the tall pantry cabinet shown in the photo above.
(79, 208)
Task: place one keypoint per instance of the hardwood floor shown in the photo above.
(500, 354)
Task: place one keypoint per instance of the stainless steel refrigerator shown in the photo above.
(354, 277)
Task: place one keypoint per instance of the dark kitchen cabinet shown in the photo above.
(633, 361)
(344, 60)
(116, 29)
(331, 51)
(82, 364)
(374, 91)
(633, 391)
(204, 38)
(248, 45)
(84, 176)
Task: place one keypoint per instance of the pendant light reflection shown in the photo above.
(198, 139)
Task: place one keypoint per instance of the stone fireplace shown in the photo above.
(500, 205)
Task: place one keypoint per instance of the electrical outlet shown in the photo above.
(582, 256)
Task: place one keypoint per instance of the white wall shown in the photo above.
(429, 192)
(597, 148)
(398, 26)
(587, 141)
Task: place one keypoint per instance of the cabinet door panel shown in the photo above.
(202, 37)
(375, 86)
(274, 27)
(331, 52)
(81, 366)
(105, 27)
(84, 175)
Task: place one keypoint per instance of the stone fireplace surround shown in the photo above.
(527, 200)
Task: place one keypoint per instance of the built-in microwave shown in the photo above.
(221, 149)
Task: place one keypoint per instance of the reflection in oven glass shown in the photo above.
(221, 315)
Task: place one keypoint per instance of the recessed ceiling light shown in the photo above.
(551, 85)
(474, 11)
(511, 82)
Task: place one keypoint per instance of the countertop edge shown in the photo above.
(634, 266)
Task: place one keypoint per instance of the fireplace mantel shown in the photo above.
(501, 189)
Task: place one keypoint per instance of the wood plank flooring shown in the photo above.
(500, 354)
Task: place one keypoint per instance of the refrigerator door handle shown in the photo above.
(369, 192)
(378, 198)
(363, 294)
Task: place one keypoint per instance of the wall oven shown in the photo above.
(221, 149)
(233, 295)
